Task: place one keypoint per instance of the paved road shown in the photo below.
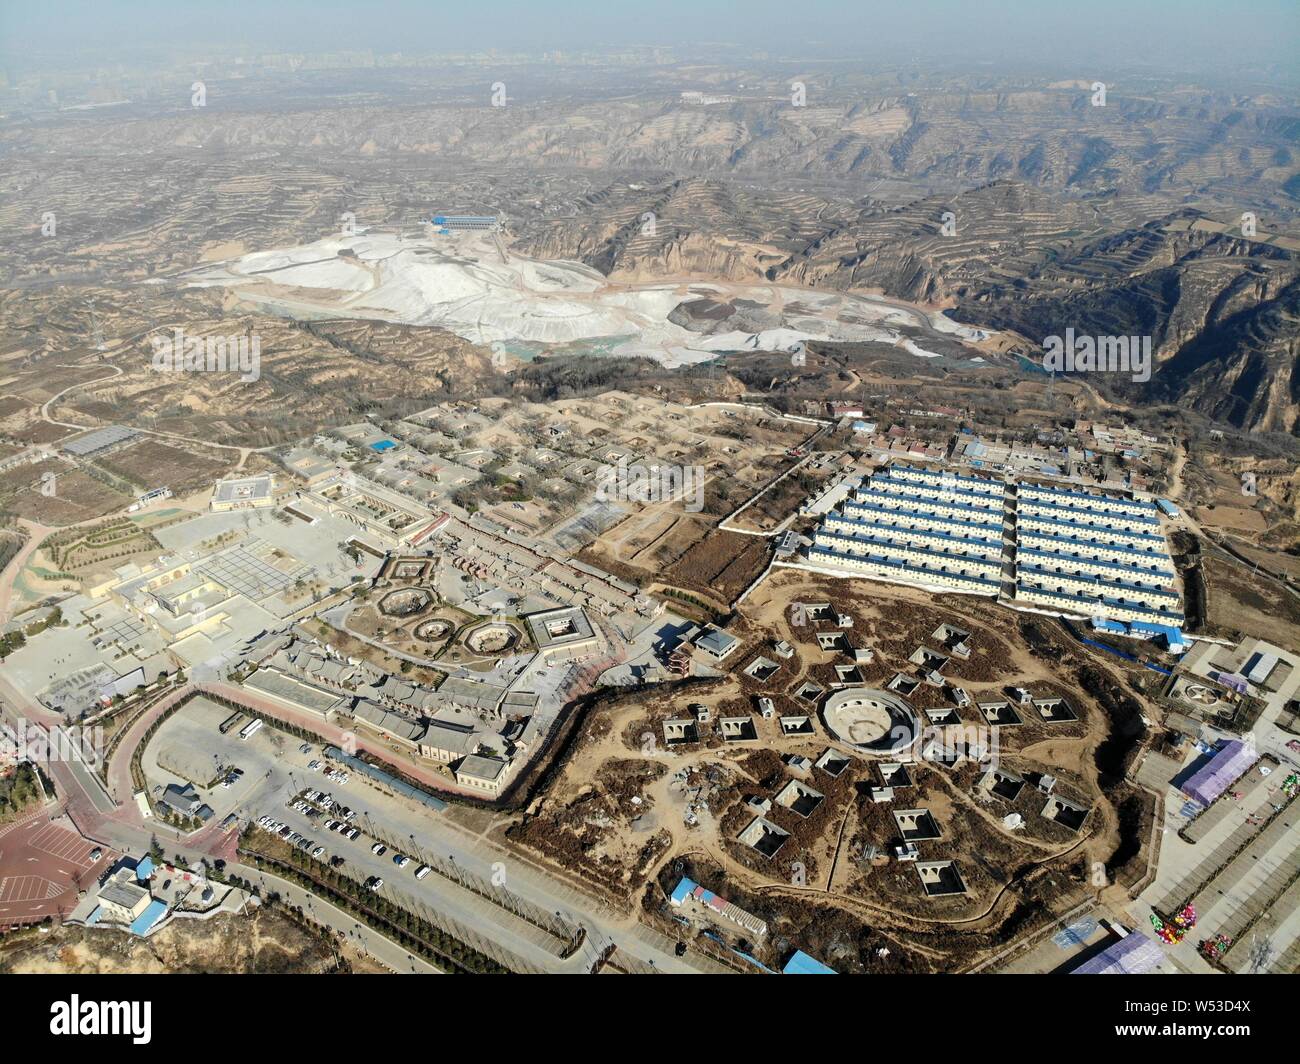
(126, 830)
(366, 939)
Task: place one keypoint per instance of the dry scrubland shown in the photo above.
(267, 942)
(585, 819)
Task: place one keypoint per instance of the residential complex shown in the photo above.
(1063, 550)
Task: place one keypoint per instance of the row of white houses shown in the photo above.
(1097, 518)
(1088, 554)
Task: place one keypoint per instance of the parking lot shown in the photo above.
(43, 863)
(195, 727)
(276, 771)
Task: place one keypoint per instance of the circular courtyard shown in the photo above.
(876, 722)
(432, 631)
(493, 637)
(405, 602)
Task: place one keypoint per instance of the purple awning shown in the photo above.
(1228, 763)
(1131, 955)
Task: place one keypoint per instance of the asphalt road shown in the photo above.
(368, 940)
(124, 829)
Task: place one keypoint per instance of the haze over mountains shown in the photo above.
(1119, 219)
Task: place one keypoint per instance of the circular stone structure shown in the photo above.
(875, 722)
(1203, 696)
(405, 602)
(493, 637)
(433, 630)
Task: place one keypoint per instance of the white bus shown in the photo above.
(249, 728)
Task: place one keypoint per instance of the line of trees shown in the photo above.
(413, 933)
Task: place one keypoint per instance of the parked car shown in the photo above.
(374, 883)
(379, 849)
(318, 851)
(422, 871)
(401, 860)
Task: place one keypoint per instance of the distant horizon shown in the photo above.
(1163, 36)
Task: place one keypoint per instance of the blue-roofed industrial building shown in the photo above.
(448, 222)
(802, 964)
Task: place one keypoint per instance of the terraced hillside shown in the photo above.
(1011, 200)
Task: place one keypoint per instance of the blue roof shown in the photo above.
(95, 916)
(1092, 531)
(897, 533)
(682, 891)
(1117, 584)
(142, 923)
(382, 445)
(1047, 509)
(1172, 636)
(929, 474)
(144, 868)
(1084, 602)
(802, 964)
(924, 515)
(1115, 501)
(1052, 557)
(861, 547)
(836, 558)
(929, 493)
(1063, 544)
(930, 499)
(1132, 955)
(386, 778)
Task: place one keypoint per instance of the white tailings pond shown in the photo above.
(460, 284)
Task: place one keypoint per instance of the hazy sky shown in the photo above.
(1222, 36)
